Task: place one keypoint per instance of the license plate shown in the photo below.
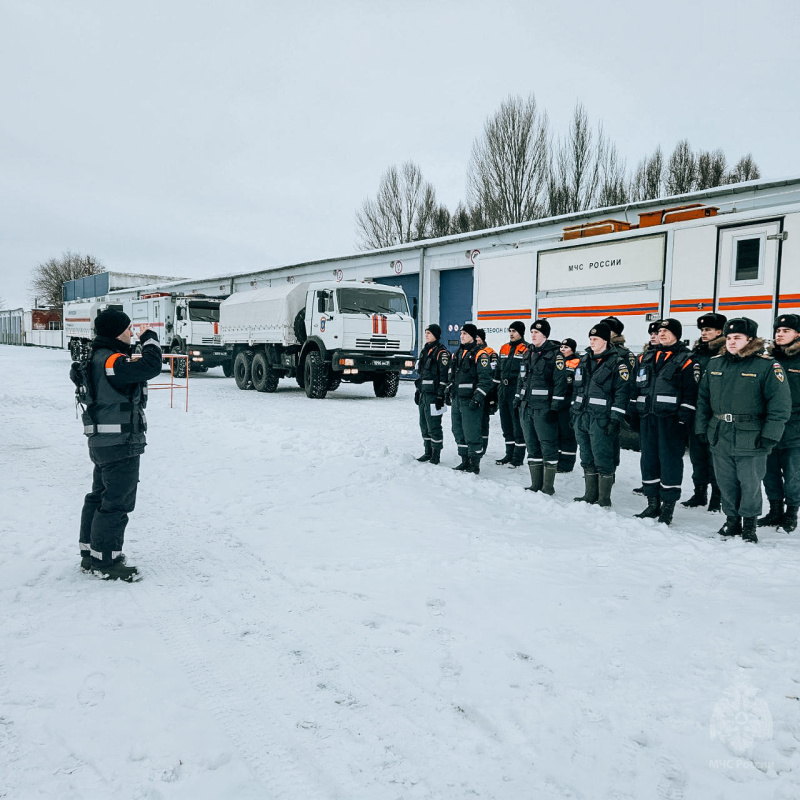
(220, 354)
(377, 363)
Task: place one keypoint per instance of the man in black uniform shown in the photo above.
(742, 408)
(665, 392)
(782, 480)
(618, 340)
(115, 423)
(471, 380)
(600, 394)
(511, 354)
(541, 391)
(433, 368)
(567, 443)
(710, 344)
(490, 403)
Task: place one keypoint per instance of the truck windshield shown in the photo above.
(371, 301)
(203, 312)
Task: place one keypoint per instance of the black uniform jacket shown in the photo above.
(543, 380)
(601, 387)
(433, 367)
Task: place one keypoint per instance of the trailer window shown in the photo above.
(371, 301)
(204, 312)
(748, 260)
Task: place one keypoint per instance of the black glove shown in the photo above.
(476, 401)
(551, 417)
(147, 335)
(439, 403)
(766, 444)
(448, 398)
(517, 403)
(416, 396)
(702, 438)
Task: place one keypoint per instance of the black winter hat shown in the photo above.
(481, 334)
(787, 321)
(715, 321)
(743, 325)
(435, 330)
(517, 326)
(673, 326)
(653, 327)
(602, 330)
(111, 323)
(616, 325)
(541, 325)
(571, 343)
(470, 329)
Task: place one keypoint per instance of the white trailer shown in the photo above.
(320, 334)
(677, 263)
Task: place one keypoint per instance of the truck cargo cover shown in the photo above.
(263, 315)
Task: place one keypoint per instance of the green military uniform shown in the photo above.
(743, 405)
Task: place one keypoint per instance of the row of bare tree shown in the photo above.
(519, 172)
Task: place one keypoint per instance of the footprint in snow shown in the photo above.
(436, 606)
(92, 692)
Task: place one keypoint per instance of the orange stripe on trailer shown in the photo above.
(759, 298)
(77, 319)
(789, 298)
(699, 302)
(505, 313)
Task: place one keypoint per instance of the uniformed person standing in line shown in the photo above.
(511, 354)
(742, 409)
(782, 480)
(567, 443)
(541, 392)
(471, 380)
(490, 404)
(600, 394)
(433, 368)
(633, 417)
(115, 425)
(665, 391)
(618, 340)
(711, 343)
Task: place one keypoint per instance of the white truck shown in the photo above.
(183, 323)
(319, 333)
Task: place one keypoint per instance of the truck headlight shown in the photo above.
(346, 362)
(409, 363)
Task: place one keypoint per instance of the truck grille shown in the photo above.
(210, 340)
(378, 344)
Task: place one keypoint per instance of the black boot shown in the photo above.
(639, 490)
(774, 516)
(435, 456)
(653, 508)
(464, 465)
(508, 457)
(590, 492)
(604, 484)
(667, 510)
(519, 456)
(699, 498)
(715, 503)
(474, 465)
(749, 525)
(732, 527)
(114, 570)
(537, 477)
(789, 521)
(549, 479)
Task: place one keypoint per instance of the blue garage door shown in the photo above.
(455, 303)
(410, 285)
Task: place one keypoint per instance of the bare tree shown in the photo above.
(401, 211)
(468, 218)
(745, 170)
(648, 179)
(681, 169)
(49, 276)
(613, 181)
(508, 166)
(711, 169)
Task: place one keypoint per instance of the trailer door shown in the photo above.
(747, 272)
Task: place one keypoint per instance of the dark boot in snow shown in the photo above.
(590, 492)
(749, 529)
(699, 498)
(474, 465)
(667, 510)
(774, 516)
(114, 570)
(604, 484)
(537, 476)
(508, 457)
(435, 456)
(789, 521)
(639, 490)
(732, 527)
(715, 503)
(519, 456)
(653, 508)
(86, 561)
(426, 456)
(464, 465)
(549, 479)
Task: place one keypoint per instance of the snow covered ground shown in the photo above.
(322, 617)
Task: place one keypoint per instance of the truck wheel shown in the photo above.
(300, 326)
(315, 374)
(180, 363)
(227, 368)
(334, 381)
(265, 379)
(243, 369)
(385, 385)
(75, 350)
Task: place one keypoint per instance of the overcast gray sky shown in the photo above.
(186, 137)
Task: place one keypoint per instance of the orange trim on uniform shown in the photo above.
(110, 361)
